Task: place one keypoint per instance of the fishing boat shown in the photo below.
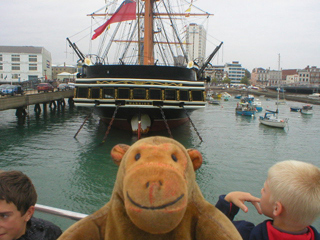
(245, 107)
(151, 86)
(307, 109)
(271, 119)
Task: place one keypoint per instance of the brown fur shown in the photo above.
(155, 197)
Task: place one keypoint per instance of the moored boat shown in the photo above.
(271, 119)
(143, 94)
(314, 96)
(295, 109)
(307, 109)
(258, 105)
(245, 107)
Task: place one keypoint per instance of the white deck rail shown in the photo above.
(60, 212)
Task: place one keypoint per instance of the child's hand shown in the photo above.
(238, 198)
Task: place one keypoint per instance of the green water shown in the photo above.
(78, 174)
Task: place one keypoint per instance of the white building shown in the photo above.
(234, 71)
(196, 39)
(292, 79)
(304, 76)
(275, 78)
(22, 63)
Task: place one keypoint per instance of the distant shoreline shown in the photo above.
(270, 94)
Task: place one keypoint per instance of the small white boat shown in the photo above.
(307, 110)
(213, 101)
(271, 119)
(314, 96)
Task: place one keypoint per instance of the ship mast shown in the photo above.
(148, 58)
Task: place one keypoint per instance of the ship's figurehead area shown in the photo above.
(155, 196)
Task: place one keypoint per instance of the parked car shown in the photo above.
(45, 87)
(63, 86)
(2, 87)
(71, 85)
(12, 90)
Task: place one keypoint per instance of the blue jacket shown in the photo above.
(247, 230)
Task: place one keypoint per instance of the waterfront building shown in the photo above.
(196, 38)
(304, 76)
(275, 78)
(314, 74)
(24, 63)
(57, 71)
(266, 77)
(215, 73)
(292, 79)
(259, 76)
(234, 71)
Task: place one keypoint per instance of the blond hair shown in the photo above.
(296, 185)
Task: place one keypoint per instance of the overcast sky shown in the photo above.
(254, 32)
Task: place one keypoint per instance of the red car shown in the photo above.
(45, 87)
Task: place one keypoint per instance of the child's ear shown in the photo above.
(277, 208)
(29, 213)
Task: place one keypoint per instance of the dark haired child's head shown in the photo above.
(17, 200)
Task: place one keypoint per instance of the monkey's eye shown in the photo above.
(174, 158)
(137, 156)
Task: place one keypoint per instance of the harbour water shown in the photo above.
(78, 174)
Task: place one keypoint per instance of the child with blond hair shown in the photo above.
(290, 197)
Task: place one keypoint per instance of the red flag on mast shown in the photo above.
(126, 11)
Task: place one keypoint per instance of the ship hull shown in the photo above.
(124, 96)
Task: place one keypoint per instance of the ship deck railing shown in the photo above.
(60, 212)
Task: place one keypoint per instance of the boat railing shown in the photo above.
(60, 212)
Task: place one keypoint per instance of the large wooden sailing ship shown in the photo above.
(146, 94)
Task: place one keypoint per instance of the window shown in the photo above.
(139, 93)
(82, 92)
(155, 94)
(184, 96)
(108, 93)
(170, 94)
(15, 66)
(1, 57)
(33, 67)
(33, 58)
(1, 66)
(124, 93)
(15, 76)
(15, 58)
(95, 93)
(196, 95)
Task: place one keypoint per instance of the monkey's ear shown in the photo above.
(117, 152)
(196, 158)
